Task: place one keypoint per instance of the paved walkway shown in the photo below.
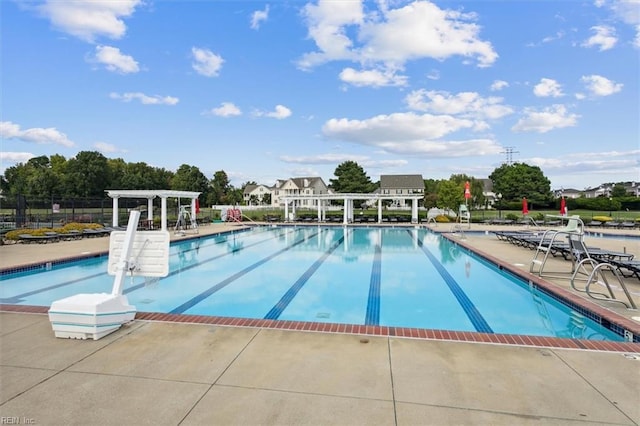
(159, 373)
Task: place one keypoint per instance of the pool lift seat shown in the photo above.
(546, 247)
(84, 316)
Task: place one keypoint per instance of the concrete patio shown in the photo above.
(162, 373)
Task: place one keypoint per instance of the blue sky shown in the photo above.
(272, 90)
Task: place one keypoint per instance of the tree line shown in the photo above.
(89, 174)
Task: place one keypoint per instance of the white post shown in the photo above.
(114, 214)
(123, 263)
(150, 211)
(344, 214)
(286, 210)
(379, 210)
(414, 211)
(163, 213)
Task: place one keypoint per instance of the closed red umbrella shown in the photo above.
(467, 190)
(525, 206)
(563, 207)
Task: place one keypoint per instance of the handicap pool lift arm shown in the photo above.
(84, 316)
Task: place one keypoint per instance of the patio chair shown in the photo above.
(593, 266)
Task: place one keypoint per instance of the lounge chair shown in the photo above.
(632, 267)
(594, 223)
(627, 225)
(612, 224)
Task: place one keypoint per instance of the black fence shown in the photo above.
(24, 211)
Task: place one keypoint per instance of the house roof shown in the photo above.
(401, 181)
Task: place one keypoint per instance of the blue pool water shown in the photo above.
(402, 277)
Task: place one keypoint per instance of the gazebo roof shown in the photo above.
(150, 193)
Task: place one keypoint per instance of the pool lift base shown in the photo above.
(93, 316)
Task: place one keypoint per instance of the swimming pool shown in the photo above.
(396, 277)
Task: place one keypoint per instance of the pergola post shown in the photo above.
(286, 210)
(379, 210)
(414, 211)
(345, 215)
(150, 211)
(163, 213)
(114, 214)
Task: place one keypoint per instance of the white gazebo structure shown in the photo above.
(150, 194)
(348, 203)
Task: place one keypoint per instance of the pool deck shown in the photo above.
(164, 371)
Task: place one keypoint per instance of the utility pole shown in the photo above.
(509, 151)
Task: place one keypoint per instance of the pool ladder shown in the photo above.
(596, 276)
(544, 250)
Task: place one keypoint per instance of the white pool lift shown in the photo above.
(83, 316)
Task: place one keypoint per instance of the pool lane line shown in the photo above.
(222, 284)
(373, 301)
(275, 312)
(20, 297)
(210, 259)
(469, 308)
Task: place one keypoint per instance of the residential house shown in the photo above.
(298, 186)
(604, 190)
(256, 195)
(401, 185)
(568, 193)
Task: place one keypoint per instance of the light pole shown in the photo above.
(611, 207)
(499, 205)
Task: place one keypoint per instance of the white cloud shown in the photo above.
(618, 165)
(115, 61)
(550, 118)
(548, 88)
(226, 109)
(362, 160)
(627, 11)
(38, 135)
(281, 112)
(397, 127)
(604, 38)
(88, 20)
(145, 99)
(601, 86)
(259, 16)
(323, 158)
(206, 62)
(107, 148)
(372, 78)
(466, 104)
(498, 85)
(14, 158)
(433, 75)
(389, 37)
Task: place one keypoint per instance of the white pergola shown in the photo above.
(348, 203)
(150, 194)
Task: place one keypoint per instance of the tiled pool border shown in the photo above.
(594, 311)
